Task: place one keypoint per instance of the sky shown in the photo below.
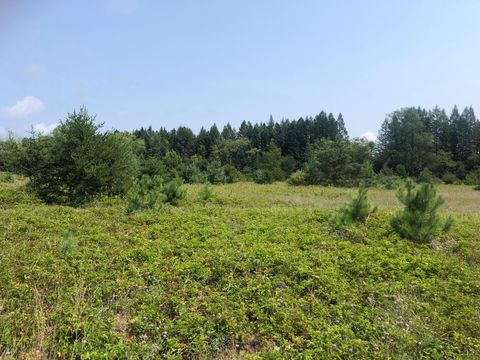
(170, 63)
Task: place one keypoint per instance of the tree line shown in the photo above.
(79, 160)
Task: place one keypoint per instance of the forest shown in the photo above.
(427, 145)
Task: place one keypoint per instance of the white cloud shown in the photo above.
(44, 128)
(370, 136)
(25, 107)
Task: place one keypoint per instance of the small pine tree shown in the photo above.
(174, 192)
(146, 193)
(357, 210)
(206, 192)
(418, 220)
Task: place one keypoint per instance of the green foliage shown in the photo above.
(405, 143)
(340, 163)
(358, 209)
(216, 173)
(425, 176)
(258, 274)
(298, 178)
(263, 177)
(146, 193)
(419, 221)
(450, 178)
(174, 192)
(473, 178)
(6, 177)
(153, 192)
(77, 162)
(175, 167)
(68, 244)
(206, 192)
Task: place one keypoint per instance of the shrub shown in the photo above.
(263, 177)
(473, 178)
(216, 173)
(357, 210)
(146, 193)
(6, 177)
(425, 176)
(389, 182)
(206, 192)
(231, 174)
(298, 178)
(450, 178)
(419, 221)
(174, 192)
(339, 163)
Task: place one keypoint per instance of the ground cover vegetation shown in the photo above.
(265, 276)
(135, 245)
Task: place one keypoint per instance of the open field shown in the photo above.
(459, 199)
(260, 272)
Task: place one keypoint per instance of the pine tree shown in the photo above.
(341, 129)
(419, 220)
(357, 210)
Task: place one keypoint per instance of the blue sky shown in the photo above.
(168, 63)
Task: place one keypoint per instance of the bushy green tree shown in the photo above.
(216, 172)
(405, 141)
(340, 163)
(298, 178)
(358, 209)
(419, 220)
(77, 161)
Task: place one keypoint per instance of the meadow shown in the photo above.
(259, 272)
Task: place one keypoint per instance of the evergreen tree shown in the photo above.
(358, 209)
(341, 129)
(419, 221)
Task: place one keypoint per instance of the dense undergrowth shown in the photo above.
(228, 280)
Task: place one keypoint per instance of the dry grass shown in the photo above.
(459, 199)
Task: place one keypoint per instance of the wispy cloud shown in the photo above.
(369, 135)
(44, 128)
(25, 107)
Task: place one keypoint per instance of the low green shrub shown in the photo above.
(419, 221)
(206, 192)
(450, 178)
(146, 193)
(425, 176)
(358, 209)
(263, 177)
(174, 192)
(298, 178)
(473, 178)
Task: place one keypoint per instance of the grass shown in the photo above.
(459, 199)
(259, 272)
